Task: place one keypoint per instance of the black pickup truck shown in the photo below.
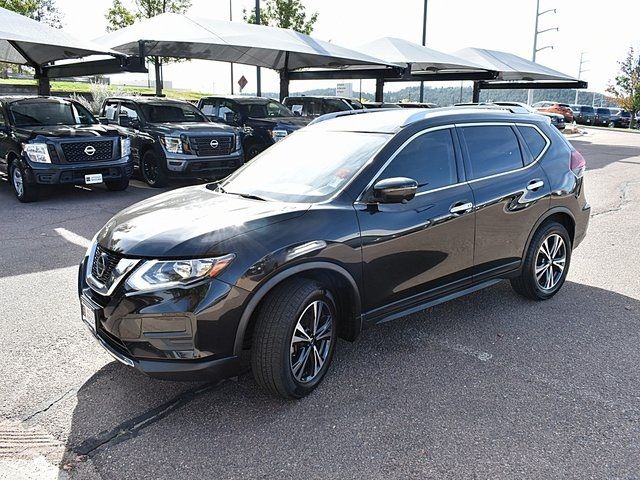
(53, 141)
(263, 121)
(173, 139)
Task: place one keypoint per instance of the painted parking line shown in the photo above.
(74, 238)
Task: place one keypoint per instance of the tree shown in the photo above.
(626, 86)
(41, 10)
(119, 16)
(288, 14)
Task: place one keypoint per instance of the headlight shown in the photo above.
(125, 147)
(172, 144)
(157, 274)
(238, 141)
(278, 135)
(37, 152)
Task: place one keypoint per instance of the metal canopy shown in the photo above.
(417, 57)
(182, 36)
(28, 42)
(511, 67)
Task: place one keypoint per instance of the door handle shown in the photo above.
(535, 185)
(460, 208)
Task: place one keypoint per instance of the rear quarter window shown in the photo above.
(534, 140)
(491, 149)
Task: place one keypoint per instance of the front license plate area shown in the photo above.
(93, 178)
(89, 315)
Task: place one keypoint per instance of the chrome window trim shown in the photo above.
(509, 124)
(397, 152)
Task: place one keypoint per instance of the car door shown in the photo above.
(414, 250)
(510, 189)
(5, 141)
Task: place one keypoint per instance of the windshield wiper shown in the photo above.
(248, 195)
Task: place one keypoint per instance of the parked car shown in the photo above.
(173, 139)
(372, 105)
(556, 119)
(314, 106)
(338, 227)
(55, 141)
(619, 118)
(417, 105)
(263, 121)
(583, 114)
(602, 117)
(554, 107)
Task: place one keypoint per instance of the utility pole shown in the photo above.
(537, 32)
(424, 42)
(231, 64)
(581, 70)
(258, 87)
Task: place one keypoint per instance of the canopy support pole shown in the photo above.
(476, 92)
(284, 78)
(158, 69)
(44, 85)
(379, 89)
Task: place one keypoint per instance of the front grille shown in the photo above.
(103, 264)
(76, 152)
(202, 145)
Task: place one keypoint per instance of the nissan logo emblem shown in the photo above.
(214, 143)
(101, 264)
(90, 150)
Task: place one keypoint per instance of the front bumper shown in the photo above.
(74, 174)
(179, 334)
(189, 166)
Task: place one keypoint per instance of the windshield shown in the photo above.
(171, 113)
(39, 113)
(307, 166)
(267, 109)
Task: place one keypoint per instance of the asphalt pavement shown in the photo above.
(486, 386)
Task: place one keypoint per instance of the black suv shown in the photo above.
(602, 117)
(583, 114)
(314, 106)
(350, 222)
(619, 118)
(173, 139)
(54, 141)
(263, 121)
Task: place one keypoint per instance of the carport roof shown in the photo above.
(26, 41)
(421, 59)
(511, 67)
(182, 36)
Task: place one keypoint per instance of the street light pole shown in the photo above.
(580, 72)
(258, 86)
(537, 32)
(231, 64)
(424, 42)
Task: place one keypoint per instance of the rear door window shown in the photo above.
(491, 149)
(534, 140)
(428, 159)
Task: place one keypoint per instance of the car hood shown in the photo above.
(67, 131)
(189, 222)
(288, 123)
(200, 128)
(549, 114)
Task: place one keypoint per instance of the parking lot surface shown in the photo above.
(487, 386)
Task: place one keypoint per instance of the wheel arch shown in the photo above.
(562, 215)
(330, 274)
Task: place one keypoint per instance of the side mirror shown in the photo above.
(395, 190)
(231, 118)
(129, 122)
(103, 120)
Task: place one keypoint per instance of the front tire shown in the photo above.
(152, 172)
(294, 338)
(24, 191)
(546, 263)
(117, 185)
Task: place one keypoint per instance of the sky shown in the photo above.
(603, 30)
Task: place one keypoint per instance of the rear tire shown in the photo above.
(546, 263)
(152, 172)
(24, 191)
(117, 185)
(294, 338)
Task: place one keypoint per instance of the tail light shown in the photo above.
(578, 163)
